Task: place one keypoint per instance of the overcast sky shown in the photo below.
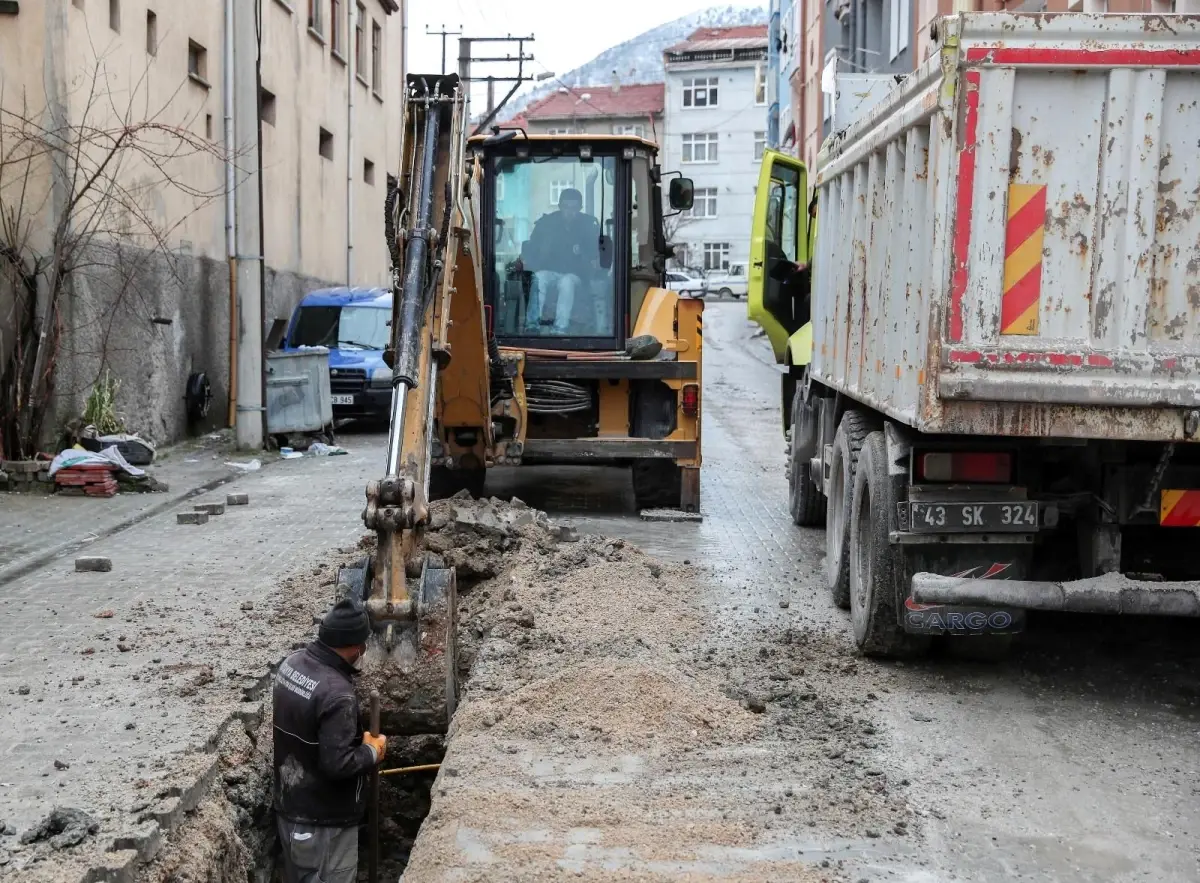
(567, 34)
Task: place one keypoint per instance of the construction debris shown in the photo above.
(64, 827)
(211, 508)
(237, 499)
(192, 518)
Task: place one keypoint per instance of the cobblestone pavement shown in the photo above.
(95, 667)
(37, 525)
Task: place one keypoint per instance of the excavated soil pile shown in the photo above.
(613, 728)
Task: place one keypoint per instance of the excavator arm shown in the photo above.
(438, 342)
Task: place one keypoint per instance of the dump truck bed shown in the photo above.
(1009, 243)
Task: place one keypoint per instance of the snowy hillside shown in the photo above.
(640, 60)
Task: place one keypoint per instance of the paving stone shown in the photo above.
(191, 518)
(211, 508)
(237, 500)
(96, 563)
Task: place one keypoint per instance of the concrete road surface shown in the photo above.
(1077, 759)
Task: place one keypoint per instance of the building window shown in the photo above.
(316, 21)
(266, 106)
(360, 43)
(336, 28)
(151, 32)
(898, 12)
(557, 188)
(760, 84)
(114, 15)
(325, 145)
(78, 4)
(700, 147)
(636, 131)
(700, 92)
(208, 126)
(197, 62)
(704, 204)
(760, 145)
(376, 58)
(561, 131)
(716, 256)
(369, 172)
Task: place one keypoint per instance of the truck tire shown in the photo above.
(876, 565)
(806, 499)
(725, 292)
(445, 482)
(852, 430)
(657, 485)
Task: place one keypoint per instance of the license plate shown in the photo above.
(343, 400)
(1016, 517)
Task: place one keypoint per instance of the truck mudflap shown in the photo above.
(961, 619)
(1111, 593)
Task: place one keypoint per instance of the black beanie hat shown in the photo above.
(346, 625)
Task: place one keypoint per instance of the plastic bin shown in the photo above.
(298, 396)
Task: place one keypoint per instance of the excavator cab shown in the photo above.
(597, 362)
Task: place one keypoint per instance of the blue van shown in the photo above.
(355, 325)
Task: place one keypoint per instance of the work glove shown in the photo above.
(378, 745)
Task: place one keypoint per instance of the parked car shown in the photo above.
(353, 323)
(686, 284)
(732, 283)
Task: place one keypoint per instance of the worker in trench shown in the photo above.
(322, 756)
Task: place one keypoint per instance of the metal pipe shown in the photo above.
(352, 52)
(230, 211)
(421, 768)
(1110, 593)
(373, 848)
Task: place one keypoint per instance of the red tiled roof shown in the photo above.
(707, 39)
(738, 33)
(637, 100)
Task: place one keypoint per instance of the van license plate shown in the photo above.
(1017, 517)
(343, 400)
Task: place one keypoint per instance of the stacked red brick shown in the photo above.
(92, 480)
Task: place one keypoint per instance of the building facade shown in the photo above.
(716, 112)
(892, 37)
(157, 308)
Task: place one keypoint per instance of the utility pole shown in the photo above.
(250, 417)
(443, 33)
(466, 59)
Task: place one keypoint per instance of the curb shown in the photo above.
(41, 559)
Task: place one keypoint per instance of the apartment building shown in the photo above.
(156, 309)
(615, 109)
(892, 37)
(716, 104)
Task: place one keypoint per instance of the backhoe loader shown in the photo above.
(529, 325)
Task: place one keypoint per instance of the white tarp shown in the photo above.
(109, 457)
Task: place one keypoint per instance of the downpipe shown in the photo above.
(231, 214)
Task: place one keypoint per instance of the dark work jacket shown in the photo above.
(321, 764)
(563, 246)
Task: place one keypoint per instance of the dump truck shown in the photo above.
(991, 395)
(480, 378)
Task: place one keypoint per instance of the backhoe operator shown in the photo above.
(562, 252)
(322, 756)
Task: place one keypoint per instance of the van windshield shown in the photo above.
(362, 328)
